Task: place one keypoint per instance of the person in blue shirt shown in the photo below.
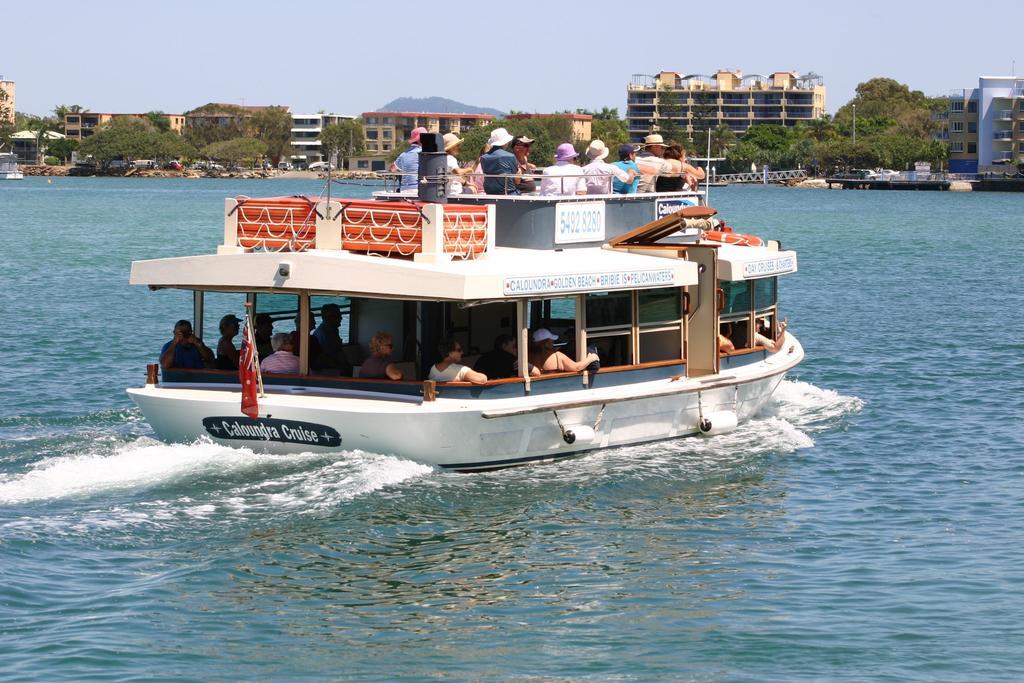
(500, 166)
(408, 162)
(627, 161)
(186, 350)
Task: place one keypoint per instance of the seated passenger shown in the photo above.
(282, 359)
(379, 364)
(564, 177)
(261, 332)
(314, 346)
(448, 369)
(627, 162)
(544, 356)
(330, 358)
(227, 354)
(725, 344)
(186, 350)
(599, 173)
(500, 166)
(503, 360)
(761, 340)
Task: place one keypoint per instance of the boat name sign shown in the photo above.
(667, 207)
(579, 222)
(575, 282)
(763, 268)
(270, 429)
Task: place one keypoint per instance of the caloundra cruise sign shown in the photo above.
(271, 429)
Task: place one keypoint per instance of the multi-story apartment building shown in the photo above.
(985, 125)
(8, 104)
(81, 125)
(697, 102)
(581, 123)
(306, 129)
(387, 131)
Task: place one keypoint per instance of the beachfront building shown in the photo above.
(581, 123)
(986, 125)
(698, 102)
(82, 124)
(25, 145)
(7, 103)
(387, 131)
(306, 129)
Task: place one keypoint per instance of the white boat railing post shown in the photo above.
(523, 333)
(304, 331)
(328, 225)
(230, 245)
(432, 235)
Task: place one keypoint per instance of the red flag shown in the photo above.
(247, 370)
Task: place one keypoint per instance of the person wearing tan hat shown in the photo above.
(651, 161)
(598, 173)
(456, 174)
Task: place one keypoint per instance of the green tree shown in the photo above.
(158, 120)
(231, 121)
(273, 127)
(884, 98)
(126, 139)
(62, 148)
(237, 151)
(343, 140)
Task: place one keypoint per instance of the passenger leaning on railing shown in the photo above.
(627, 162)
(499, 165)
(564, 177)
(599, 173)
(651, 161)
(408, 162)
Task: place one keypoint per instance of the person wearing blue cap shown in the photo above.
(627, 162)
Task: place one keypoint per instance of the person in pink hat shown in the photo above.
(564, 177)
(408, 162)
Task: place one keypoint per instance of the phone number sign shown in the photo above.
(579, 222)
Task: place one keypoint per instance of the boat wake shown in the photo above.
(206, 475)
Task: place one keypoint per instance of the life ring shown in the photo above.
(730, 237)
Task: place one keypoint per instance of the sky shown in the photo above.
(347, 58)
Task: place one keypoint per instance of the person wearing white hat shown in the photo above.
(651, 160)
(500, 166)
(598, 173)
(544, 356)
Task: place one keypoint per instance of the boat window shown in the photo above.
(766, 292)
(610, 327)
(282, 309)
(737, 296)
(558, 315)
(216, 305)
(737, 330)
(317, 303)
(660, 322)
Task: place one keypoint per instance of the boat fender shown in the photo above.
(720, 422)
(582, 433)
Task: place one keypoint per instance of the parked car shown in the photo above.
(117, 164)
(145, 163)
(319, 166)
(174, 166)
(884, 174)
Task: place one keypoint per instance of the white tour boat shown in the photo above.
(9, 166)
(648, 281)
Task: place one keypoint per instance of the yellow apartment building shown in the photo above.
(985, 126)
(581, 123)
(387, 131)
(81, 125)
(7, 88)
(696, 102)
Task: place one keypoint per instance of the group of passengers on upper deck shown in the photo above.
(504, 168)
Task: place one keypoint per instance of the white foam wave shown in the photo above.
(146, 463)
(808, 406)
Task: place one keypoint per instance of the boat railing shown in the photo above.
(473, 183)
(403, 228)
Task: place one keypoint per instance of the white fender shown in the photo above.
(720, 422)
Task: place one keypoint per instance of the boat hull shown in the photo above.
(467, 434)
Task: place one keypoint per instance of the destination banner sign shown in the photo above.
(579, 222)
(667, 207)
(751, 270)
(581, 282)
(271, 429)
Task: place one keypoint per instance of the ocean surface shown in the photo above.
(867, 526)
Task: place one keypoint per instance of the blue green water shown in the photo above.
(869, 525)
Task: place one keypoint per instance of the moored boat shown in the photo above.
(9, 166)
(644, 281)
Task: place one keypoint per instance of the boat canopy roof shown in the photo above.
(505, 273)
(750, 263)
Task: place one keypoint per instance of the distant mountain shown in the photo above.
(440, 105)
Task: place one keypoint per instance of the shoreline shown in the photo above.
(249, 174)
